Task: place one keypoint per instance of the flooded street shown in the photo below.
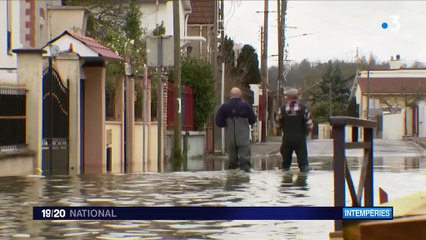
(397, 176)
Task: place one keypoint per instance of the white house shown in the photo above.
(157, 11)
(24, 26)
(396, 100)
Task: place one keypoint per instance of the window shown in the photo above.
(12, 117)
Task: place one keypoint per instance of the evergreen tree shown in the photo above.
(231, 78)
(333, 93)
(248, 66)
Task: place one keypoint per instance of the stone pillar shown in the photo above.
(422, 119)
(30, 73)
(130, 124)
(255, 133)
(69, 64)
(119, 116)
(147, 91)
(94, 120)
(164, 129)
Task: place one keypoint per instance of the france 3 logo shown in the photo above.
(392, 23)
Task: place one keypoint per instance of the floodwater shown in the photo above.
(397, 176)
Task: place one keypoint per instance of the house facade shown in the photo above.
(200, 23)
(47, 129)
(161, 11)
(24, 25)
(395, 98)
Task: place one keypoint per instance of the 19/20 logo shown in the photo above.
(53, 213)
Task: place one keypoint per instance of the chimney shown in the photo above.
(395, 63)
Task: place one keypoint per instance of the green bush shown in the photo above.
(198, 74)
(321, 110)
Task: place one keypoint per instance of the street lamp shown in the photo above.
(280, 85)
(300, 35)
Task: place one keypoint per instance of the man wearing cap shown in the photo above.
(295, 121)
(236, 116)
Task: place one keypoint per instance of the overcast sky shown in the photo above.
(337, 27)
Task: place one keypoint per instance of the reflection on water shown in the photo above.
(219, 188)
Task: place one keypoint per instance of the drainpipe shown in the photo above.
(185, 29)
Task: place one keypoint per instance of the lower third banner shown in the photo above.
(203, 213)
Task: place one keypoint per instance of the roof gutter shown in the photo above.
(394, 94)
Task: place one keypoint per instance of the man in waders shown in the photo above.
(236, 116)
(295, 121)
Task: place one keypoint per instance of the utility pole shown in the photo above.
(217, 133)
(329, 99)
(222, 54)
(222, 28)
(281, 45)
(177, 143)
(368, 91)
(265, 73)
(280, 53)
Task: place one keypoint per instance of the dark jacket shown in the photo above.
(237, 116)
(294, 119)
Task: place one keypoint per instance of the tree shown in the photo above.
(248, 66)
(335, 88)
(229, 55)
(114, 24)
(231, 79)
(418, 64)
(159, 29)
(135, 33)
(272, 77)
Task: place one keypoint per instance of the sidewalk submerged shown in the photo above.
(324, 148)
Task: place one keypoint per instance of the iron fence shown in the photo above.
(12, 116)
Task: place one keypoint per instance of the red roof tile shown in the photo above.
(202, 12)
(95, 46)
(100, 49)
(400, 85)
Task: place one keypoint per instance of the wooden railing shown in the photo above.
(342, 173)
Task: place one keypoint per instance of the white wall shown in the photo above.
(138, 133)
(409, 116)
(116, 145)
(393, 126)
(9, 60)
(324, 131)
(152, 165)
(422, 119)
(196, 147)
(359, 100)
(16, 165)
(150, 16)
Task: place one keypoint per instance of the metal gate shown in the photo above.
(55, 147)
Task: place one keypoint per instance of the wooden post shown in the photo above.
(368, 193)
(265, 73)
(177, 136)
(339, 169)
